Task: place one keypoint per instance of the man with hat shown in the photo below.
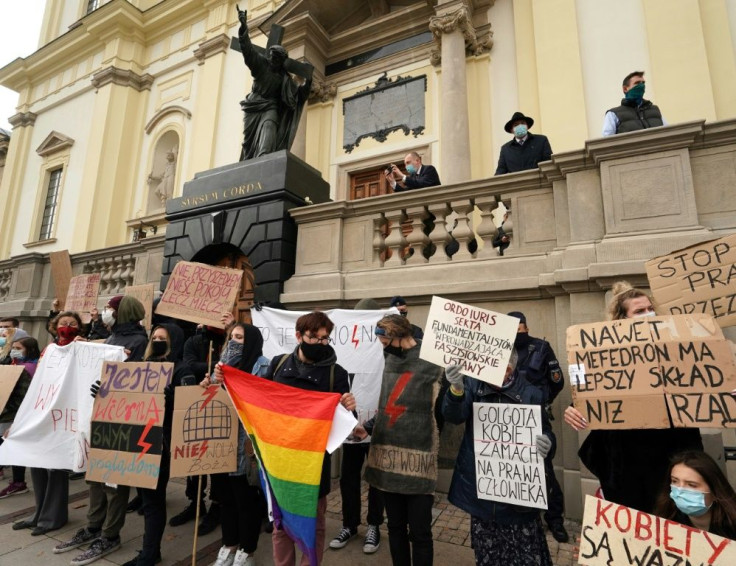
(400, 303)
(526, 150)
(538, 365)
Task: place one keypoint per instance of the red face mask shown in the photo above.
(66, 334)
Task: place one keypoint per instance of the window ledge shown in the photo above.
(39, 243)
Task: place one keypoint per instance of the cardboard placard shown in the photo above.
(61, 274)
(628, 373)
(82, 295)
(613, 534)
(479, 340)
(9, 376)
(697, 279)
(204, 433)
(508, 467)
(52, 427)
(200, 293)
(126, 432)
(144, 293)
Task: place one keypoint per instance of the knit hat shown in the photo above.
(114, 303)
(519, 315)
(398, 301)
(366, 305)
(130, 310)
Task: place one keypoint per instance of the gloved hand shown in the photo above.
(453, 375)
(94, 389)
(544, 445)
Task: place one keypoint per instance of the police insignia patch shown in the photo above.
(556, 375)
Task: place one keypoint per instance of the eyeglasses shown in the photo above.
(315, 340)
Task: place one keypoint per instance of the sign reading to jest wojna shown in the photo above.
(200, 293)
(477, 339)
(626, 373)
(613, 534)
(698, 279)
(126, 433)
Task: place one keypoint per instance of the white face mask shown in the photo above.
(648, 313)
(108, 319)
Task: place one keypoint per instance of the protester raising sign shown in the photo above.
(51, 428)
(625, 373)
(61, 274)
(82, 295)
(358, 349)
(204, 432)
(200, 293)
(508, 467)
(126, 436)
(698, 279)
(479, 340)
(613, 534)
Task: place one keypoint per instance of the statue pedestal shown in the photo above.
(243, 208)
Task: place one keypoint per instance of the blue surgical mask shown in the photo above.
(520, 130)
(689, 501)
(16, 354)
(411, 169)
(3, 341)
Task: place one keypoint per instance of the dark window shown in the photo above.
(92, 5)
(49, 208)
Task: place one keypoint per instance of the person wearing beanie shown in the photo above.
(123, 315)
(400, 303)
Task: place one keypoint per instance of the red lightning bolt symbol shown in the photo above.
(141, 442)
(211, 391)
(393, 410)
(355, 340)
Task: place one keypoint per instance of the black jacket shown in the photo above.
(196, 352)
(632, 117)
(539, 366)
(131, 336)
(427, 177)
(312, 377)
(515, 157)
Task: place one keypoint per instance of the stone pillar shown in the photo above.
(454, 126)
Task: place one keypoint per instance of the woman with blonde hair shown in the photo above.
(617, 457)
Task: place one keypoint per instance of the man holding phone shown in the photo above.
(418, 175)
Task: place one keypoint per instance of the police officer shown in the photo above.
(539, 366)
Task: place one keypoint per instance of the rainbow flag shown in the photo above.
(289, 428)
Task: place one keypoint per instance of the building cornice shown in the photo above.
(218, 44)
(122, 77)
(22, 119)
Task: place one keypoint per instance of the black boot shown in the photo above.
(189, 514)
(211, 520)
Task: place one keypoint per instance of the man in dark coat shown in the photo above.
(526, 150)
(418, 175)
(634, 113)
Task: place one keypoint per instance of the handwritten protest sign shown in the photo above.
(82, 295)
(479, 340)
(51, 428)
(144, 293)
(61, 274)
(508, 467)
(200, 293)
(126, 433)
(613, 534)
(698, 279)
(204, 432)
(9, 376)
(626, 373)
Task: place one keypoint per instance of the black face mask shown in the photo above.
(404, 313)
(316, 352)
(522, 340)
(394, 350)
(158, 348)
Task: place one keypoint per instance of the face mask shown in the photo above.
(316, 352)
(394, 350)
(159, 347)
(233, 353)
(635, 92)
(689, 501)
(648, 313)
(3, 341)
(67, 334)
(522, 340)
(16, 354)
(520, 130)
(108, 318)
(411, 169)
(404, 313)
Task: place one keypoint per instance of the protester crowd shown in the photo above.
(662, 471)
